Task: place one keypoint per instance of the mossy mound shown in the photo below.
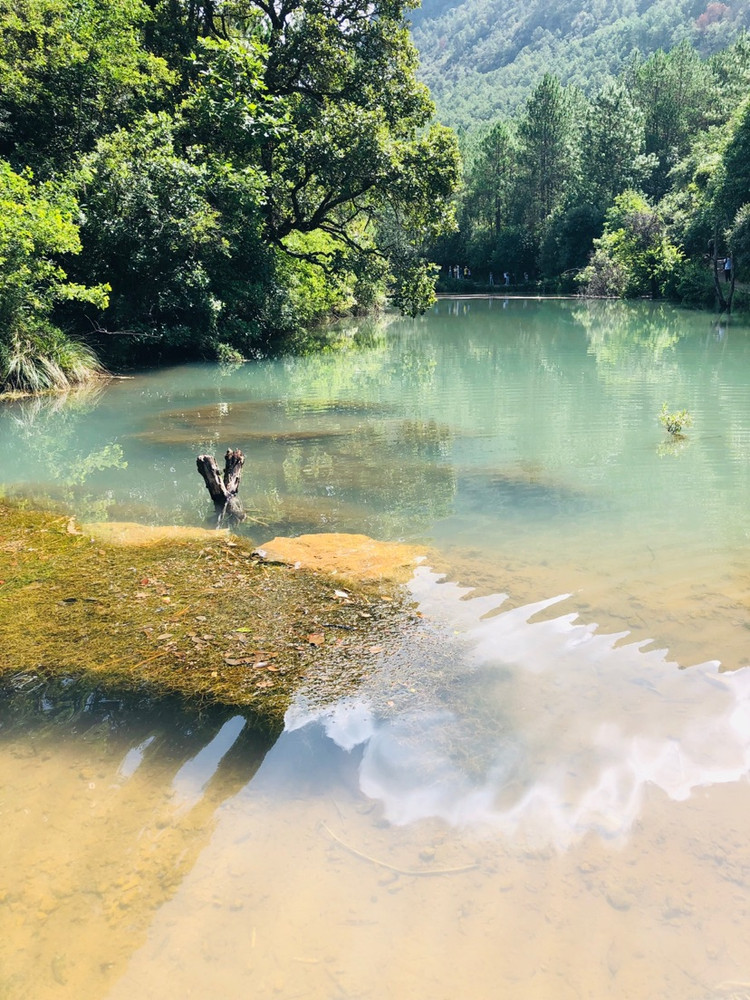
(189, 612)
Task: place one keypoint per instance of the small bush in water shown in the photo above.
(674, 423)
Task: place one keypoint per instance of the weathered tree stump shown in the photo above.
(223, 489)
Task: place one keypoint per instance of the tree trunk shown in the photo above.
(223, 490)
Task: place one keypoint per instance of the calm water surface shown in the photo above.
(566, 815)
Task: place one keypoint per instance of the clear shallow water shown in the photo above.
(575, 802)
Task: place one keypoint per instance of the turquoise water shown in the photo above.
(518, 438)
(564, 816)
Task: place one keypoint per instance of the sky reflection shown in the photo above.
(583, 723)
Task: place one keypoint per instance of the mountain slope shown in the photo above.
(481, 58)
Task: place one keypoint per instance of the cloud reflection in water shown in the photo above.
(583, 723)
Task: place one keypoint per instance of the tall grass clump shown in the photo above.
(44, 359)
(37, 232)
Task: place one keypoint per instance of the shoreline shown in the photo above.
(196, 613)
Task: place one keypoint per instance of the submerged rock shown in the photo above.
(357, 557)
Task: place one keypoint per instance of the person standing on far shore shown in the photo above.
(727, 268)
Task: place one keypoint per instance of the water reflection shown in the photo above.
(48, 431)
(500, 752)
(312, 882)
(107, 801)
(573, 725)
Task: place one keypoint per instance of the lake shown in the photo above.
(546, 796)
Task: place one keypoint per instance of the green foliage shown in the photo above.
(662, 151)
(634, 255)
(69, 73)
(677, 95)
(613, 145)
(313, 294)
(549, 143)
(695, 285)
(179, 234)
(37, 232)
(730, 182)
(44, 358)
(232, 171)
(228, 355)
(674, 423)
(738, 235)
(491, 182)
(482, 58)
(568, 239)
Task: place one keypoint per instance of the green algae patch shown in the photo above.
(191, 613)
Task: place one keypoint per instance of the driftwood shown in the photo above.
(223, 489)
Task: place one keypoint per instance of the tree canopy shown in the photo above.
(641, 189)
(231, 170)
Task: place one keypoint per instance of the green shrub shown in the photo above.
(674, 422)
(695, 285)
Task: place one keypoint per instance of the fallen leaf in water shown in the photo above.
(340, 593)
(376, 649)
(316, 638)
(164, 635)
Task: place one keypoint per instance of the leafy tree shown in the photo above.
(569, 238)
(731, 69)
(352, 141)
(37, 230)
(738, 237)
(677, 95)
(491, 182)
(178, 237)
(613, 145)
(70, 73)
(731, 181)
(634, 255)
(321, 98)
(548, 157)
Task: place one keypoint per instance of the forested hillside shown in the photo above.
(481, 58)
(640, 189)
